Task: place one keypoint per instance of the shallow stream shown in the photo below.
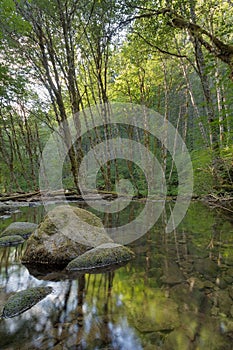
(177, 294)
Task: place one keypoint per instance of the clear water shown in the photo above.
(176, 294)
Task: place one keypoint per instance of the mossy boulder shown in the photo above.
(104, 255)
(65, 233)
(24, 300)
(11, 240)
(23, 229)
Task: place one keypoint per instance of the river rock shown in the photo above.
(24, 300)
(224, 302)
(177, 340)
(159, 316)
(23, 229)
(172, 274)
(206, 267)
(104, 255)
(11, 240)
(65, 233)
(4, 208)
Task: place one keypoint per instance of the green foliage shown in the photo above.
(203, 172)
(111, 57)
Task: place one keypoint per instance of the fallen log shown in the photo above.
(18, 196)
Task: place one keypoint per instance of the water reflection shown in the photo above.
(176, 294)
(79, 314)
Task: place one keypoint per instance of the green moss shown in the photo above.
(23, 229)
(51, 225)
(24, 300)
(66, 233)
(104, 255)
(48, 227)
(11, 240)
(88, 217)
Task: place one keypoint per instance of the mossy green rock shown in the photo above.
(152, 312)
(11, 240)
(172, 274)
(24, 300)
(66, 233)
(206, 267)
(23, 229)
(178, 340)
(104, 255)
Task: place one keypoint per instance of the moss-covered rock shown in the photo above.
(153, 313)
(177, 340)
(11, 240)
(172, 274)
(207, 268)
(104, 255)
(24, 300)
(66, 233)
(23, 229)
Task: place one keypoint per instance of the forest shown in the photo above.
(116, 174)
(59, 57)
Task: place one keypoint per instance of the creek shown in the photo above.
(176, 294)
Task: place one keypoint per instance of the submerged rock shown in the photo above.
(66, 233)
(158, 315)
(206, 267)
(172, 274)
(23, 229)
(224, 302)
(24, 300)
(104, 255)
(178, 339)
(4, 208)
(11, 240)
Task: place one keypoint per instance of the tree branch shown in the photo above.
(213, 45)
(159, 49)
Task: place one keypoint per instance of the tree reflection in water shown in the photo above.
(79, 314)
(176, 295)
(93, 322)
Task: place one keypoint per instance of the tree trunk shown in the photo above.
(201, 66)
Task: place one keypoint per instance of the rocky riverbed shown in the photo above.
(175, 294)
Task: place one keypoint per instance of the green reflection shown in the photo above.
(176, 294)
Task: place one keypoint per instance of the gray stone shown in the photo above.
(4, 208)
(104, 255)
(8, 208)
(11, 240)
(24, 300)
(206, 267)
(65, 233)
(23, 229)
(172, 274)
